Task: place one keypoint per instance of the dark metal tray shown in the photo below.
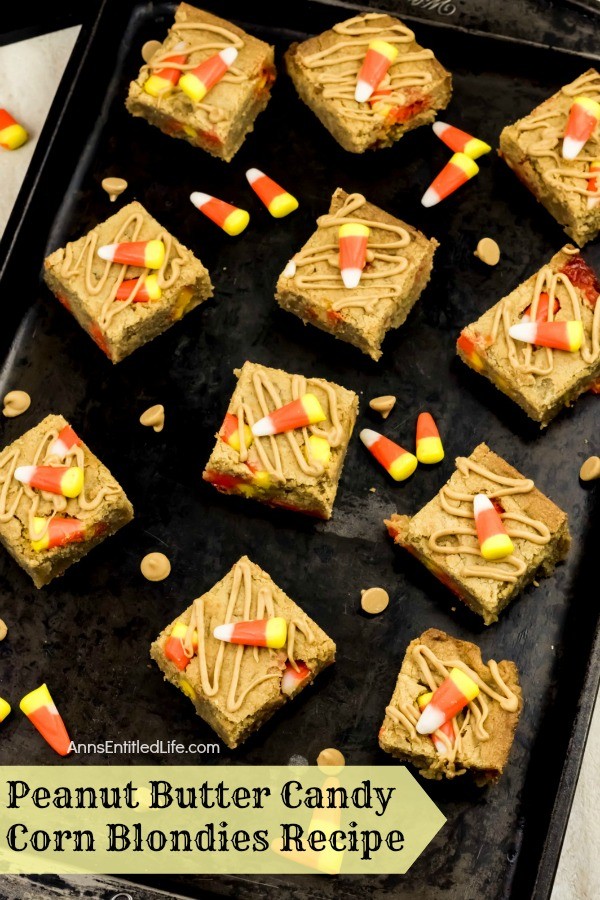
(88, 633)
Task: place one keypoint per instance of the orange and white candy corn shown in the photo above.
(145, 254)
(199, 81)
(447, 728)
(557, 335)
(493, 538)
(278, 201)
(460, 141)
(5, 709)
(255, 633)
(379, 57)
(230, 432)
(429, 444)
(353, 252)
(12, 135)
(40, 709)
(64, 480)
(64, 443)
(594, 183)
(292, 678)
(164, 80)
(149, 289)
(174, 649)
(584, 116)
(230, 218)
(306, 410)
(56, 532)
(451, 696)
(397, 461)
(455, 173)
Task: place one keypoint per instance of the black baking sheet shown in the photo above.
(88, 633)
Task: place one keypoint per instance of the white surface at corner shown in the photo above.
(29, 75)
(30, 72)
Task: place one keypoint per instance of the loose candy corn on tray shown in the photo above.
(88, 634)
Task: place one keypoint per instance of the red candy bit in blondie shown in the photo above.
(99, 339)
(542, 310)
(63, 300)
(583, 277)
(334, 316)
(497, 505)
(399, 114)
(222, 481)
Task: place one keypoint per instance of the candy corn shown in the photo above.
(379, 57)
(231, 219)
(542, 309)
(12, 135)
(584, 116)
(5, 709)
(460, 141)
(429, 444)
(593, 184)
(145, 254)
(454, 174)
(256, 633)
(60, 531)
(399, 463)
(230, 432)
(353, 252)
(557, 335)
(278, 202)
(166, 79)
(197, 83)
(494, 541)
(64, 443)
(64, 480)
(174, 645)
(298, 414)
(292, 679)
(446, 728)
(451, 696)
(41, 711)
(148, 290)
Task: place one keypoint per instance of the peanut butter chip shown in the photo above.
(114, 187)
(590, 470)
(3, 629)
(155, 567)
(488, 251)
(331, 757)
(149, 49)
(383, 405)
(374, 600)
(15, 403)
(154, 417)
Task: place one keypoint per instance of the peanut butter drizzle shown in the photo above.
(242, 579)
(269, 399)
(510, 568)
(566, 173)
(81, 507)
(87, 257)
(525, 358)
(475, 714)
(374, 285)
(349, 53)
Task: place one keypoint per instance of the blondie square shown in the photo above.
(532, 147)
(92, 288)
(325, 68)
(58, 500)
(236, 688)
(219, 122)
(541, 380)
(399, 262)
(298, 470)
(442, 535)
(482, 734)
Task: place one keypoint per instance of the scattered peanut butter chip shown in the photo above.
(155, 566)
(15, 403)
(374, 600)
(149, 49)
(331, 757)
(154, 417)
(590, 470)
(488, 251)
(114, 187)
(383, 405)
(3, 629)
